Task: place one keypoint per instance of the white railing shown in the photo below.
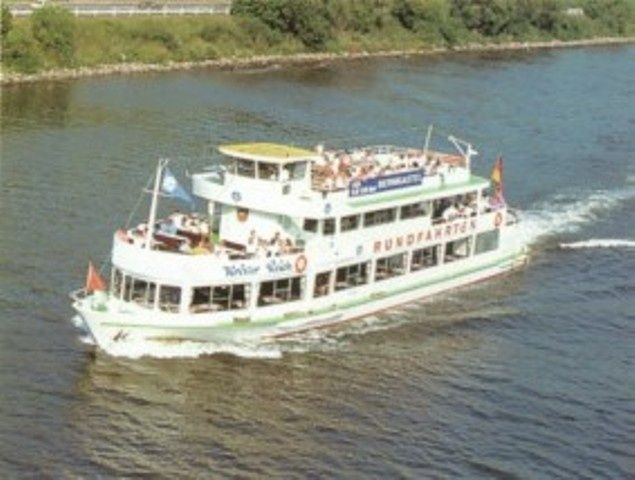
(115, 10)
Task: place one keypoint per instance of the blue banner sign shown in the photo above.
(358, 188)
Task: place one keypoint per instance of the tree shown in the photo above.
(54, 29)
(307, 20)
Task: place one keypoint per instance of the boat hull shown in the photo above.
(110, 326)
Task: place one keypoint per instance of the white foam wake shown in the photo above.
(599, 243)
(190, 349)
(565, 213)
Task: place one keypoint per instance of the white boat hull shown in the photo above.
(110, 323)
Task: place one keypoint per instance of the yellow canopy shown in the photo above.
(266, 152)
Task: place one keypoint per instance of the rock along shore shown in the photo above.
(263, 61)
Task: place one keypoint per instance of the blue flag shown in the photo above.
(170, 187)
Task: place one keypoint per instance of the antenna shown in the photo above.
(464, 148)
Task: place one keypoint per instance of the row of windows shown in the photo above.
(144, 293)
(395, 265)
(369, 219)
(266, 170)
(273, 292)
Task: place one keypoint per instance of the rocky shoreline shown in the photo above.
(264, 61)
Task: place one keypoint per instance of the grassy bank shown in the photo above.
(53, 39)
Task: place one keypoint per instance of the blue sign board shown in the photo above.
(358, 188)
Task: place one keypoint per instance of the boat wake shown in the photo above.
(599, 243)
(565, 213)
(134, 349)
(559, 215)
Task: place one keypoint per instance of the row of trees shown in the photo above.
(316, 22)
(48, 38)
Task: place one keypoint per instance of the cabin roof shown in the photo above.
(267, 152)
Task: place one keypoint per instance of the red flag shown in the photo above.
(94, 281)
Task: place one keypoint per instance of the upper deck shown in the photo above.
(269, 175)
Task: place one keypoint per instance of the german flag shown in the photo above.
(497, 176)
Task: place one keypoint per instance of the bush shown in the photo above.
(159, 33)
(430, 18)
(307, 20)
(54, 29)
(258, 32)
(7, 21)
(21, 52)
(613, 16)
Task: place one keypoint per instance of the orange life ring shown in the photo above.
(300, 264)
(498, 219)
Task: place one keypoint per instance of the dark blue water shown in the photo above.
(528, 376)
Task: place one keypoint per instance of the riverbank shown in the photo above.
(267, 61)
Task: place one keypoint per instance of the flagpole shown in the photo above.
(427, 144)
(153, 206)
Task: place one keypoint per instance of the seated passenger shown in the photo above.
(168, 226)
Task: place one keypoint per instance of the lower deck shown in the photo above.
(300, 288)
(111, 324)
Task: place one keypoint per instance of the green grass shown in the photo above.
(108, 40)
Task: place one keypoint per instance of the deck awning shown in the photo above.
(267, 152)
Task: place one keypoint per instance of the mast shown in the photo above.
(153, 205)
(427, 144)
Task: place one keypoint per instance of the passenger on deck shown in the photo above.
(168, 226)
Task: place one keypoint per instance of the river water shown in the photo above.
(527, 376)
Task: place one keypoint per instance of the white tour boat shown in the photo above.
(293, 239)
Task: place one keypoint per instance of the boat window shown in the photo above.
(351, 276)
(457, 250)
(424, 258)
(328, 228)
(413, 210)
(280, 291)
(297, 171)
(127, 288)
(487, 241)
(267, 171)
(115, 284)
(322, 284)
(169, 298)
(219, 298)
(245, 168)
(389, 267)
(350, 222)
(451, 208)
(439, 206)
(379, 217)
(229, 164)
(310, 225)
(142, 292)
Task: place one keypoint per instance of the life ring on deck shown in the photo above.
(300, 264)
(498, 219)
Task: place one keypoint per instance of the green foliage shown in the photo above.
(353, 15)
(54, 29)
(52, 37)
(306, 20)
(6, 21)
(156, 32)
(21, 52)
(613, 16)
(429, 18)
